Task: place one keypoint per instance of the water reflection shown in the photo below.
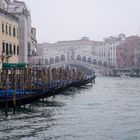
(37, 117)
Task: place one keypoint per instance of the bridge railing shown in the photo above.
(85, 64)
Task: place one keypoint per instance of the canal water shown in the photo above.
(108, 110)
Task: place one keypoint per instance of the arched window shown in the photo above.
(46, 62)
(51, 61)
(105, 64)
(78, 58)
(99, 63)
(89, 60)
(56, 59)
(84, 59)
(94, 62)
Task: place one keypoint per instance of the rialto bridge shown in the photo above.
(80, 60)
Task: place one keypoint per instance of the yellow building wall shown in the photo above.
(7, 22)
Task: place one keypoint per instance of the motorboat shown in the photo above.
(124, 75)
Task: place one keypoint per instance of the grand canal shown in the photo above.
(108, 110)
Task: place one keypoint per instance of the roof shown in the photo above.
(72, 43)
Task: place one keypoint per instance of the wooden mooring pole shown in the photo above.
(6, 100)
(21, 86)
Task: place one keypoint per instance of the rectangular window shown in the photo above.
(9, 30)
(14, 49)
(17, 33)
(14, 32)
(17, 50)
(3, 47)
(2, 27)
(10, 46)
(6, 27)
(7, 50)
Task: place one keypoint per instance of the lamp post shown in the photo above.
(92, 70)
(39, 62)
(5, 57)
(2, 57)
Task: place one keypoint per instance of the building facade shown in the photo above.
(19, 9)
(137, 57)
(128, 53)
(9, 36)
(107, 49)
(32, 49)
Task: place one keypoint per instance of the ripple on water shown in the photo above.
(110, 110)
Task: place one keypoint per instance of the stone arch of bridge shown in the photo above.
(83, 64)
(84, 60)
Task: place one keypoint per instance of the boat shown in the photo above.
(124, 75)
(22, 97)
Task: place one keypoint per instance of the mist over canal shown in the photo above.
(110, 109)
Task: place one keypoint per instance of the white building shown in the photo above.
(108, 49)
(137, 57)
(32, 49)
(20, 9)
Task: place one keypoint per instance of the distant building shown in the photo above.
(128, 53)
(9, 35)
(69, 50)
(114, 52)
(37, 58)
(108, 49)
(32, 49)
(137, 56)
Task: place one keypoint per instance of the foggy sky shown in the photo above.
(72, 19)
